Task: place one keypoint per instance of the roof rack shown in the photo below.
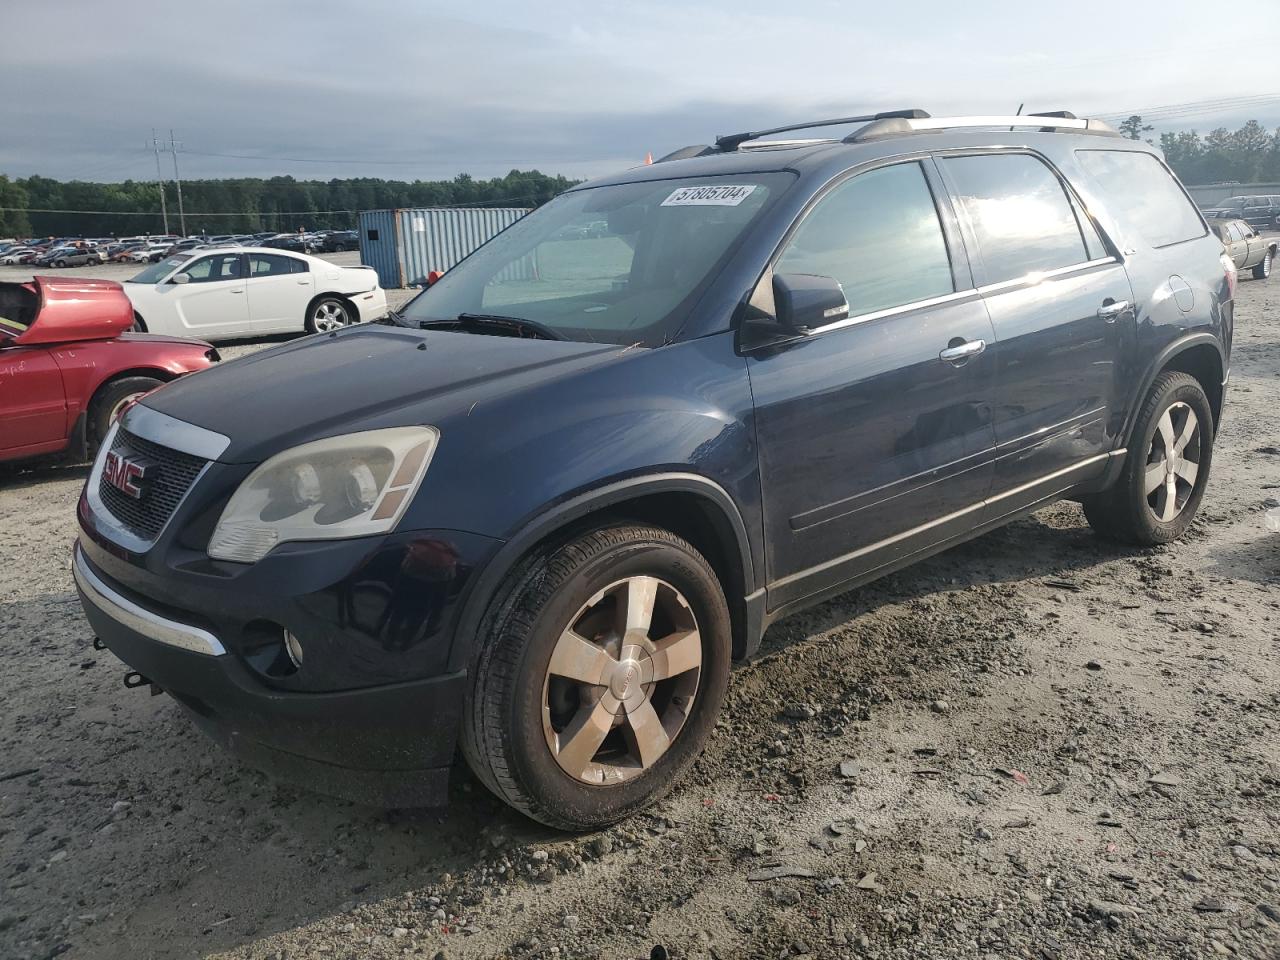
(1053, 122)
(730, 142)
(895, 123)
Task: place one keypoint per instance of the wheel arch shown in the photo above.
(689, 505)
(330, 294)
(156, 373)
(1200, 355)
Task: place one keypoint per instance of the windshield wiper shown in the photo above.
(517, 325)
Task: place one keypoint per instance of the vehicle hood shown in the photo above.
(58, 310)
(362, 378)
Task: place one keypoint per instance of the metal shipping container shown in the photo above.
(405, 245)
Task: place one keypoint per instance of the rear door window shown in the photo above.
(267, 265)
(1019, 212)
(879, 235)
(1144, 195)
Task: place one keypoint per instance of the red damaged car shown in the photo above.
(68, 364)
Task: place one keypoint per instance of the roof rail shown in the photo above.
(730, 142)
(1057, 122)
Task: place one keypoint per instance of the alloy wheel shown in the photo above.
(621, 681)
(1173, 462)
(329, 315)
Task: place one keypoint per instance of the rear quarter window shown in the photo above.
(1141, 192)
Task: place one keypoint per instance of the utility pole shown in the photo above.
(173, 148)
(164, 211)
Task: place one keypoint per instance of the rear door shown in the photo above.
(279, 290)
(1060, 305)
(872, 445)
(1252, 243)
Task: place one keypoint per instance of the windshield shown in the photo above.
(158, 271)
(1231, 202)
(615, 264)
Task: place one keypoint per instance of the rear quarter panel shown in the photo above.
(1180, 290)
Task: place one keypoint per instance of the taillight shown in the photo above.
(1230, 275)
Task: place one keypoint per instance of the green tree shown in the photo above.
(1134, 128)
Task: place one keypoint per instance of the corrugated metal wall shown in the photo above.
(405, 245)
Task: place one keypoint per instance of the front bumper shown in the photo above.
(389, 745)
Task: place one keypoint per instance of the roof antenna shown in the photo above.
(1018, 114)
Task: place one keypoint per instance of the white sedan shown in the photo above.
(251, 291)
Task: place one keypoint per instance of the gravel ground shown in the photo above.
(1036, 745)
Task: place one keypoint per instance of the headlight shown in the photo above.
(348, 486)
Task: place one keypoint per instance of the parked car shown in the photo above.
(68, 257)
(150, 253)
(70, 367)
(1259, 211)
(241, 292)
(1247, 249)
(124, 252)
(18, 255)
(286, 241)
(539, 515)
(340, 241)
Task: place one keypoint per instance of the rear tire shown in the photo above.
(1263, 269)
(111, 400)
(523, 714)
(328, 314)
(1165, 470)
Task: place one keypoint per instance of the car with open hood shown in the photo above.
(68, 364)
(536, 516)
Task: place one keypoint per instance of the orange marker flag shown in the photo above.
(648, 158)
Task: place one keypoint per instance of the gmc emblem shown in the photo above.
(127, 475)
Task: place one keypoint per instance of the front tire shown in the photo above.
(111, 401)
(600, 673)
(1166, 467)
(328, 314)
(1263, 269)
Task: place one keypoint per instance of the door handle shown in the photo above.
(235, 291)
(303, 283)
(963, 351)
(1111, 309)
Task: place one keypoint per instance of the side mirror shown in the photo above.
(181, 278)
(804, 301)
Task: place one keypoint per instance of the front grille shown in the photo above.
(172, 475)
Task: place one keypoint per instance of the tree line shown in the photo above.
(246, 204)
(1247, 155)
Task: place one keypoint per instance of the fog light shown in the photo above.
(293, 646)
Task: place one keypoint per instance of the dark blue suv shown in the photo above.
(538, 514)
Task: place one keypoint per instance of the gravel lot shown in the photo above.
(1036, 745)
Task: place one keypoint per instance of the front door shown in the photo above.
(1061, 306)
(33, 406)
(213, 303)
(872, 445)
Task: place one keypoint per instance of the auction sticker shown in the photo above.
(726, 195)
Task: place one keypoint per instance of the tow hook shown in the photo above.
(134, 679)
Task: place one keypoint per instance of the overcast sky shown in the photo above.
(581, 87)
